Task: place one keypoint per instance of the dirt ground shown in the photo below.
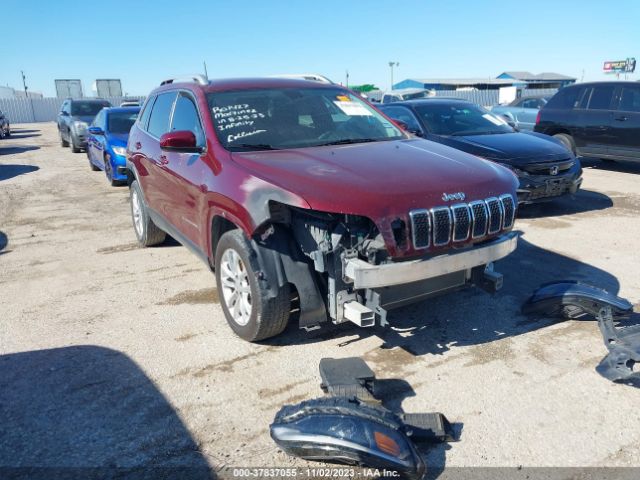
(113, 355)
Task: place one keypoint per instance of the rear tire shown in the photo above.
(567, 141)
(91, 165)
(249, 309)
(147, 233)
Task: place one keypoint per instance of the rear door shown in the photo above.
(526, 118)
(594, 133)
(626, 124)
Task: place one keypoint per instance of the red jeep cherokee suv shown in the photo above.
(292, 188)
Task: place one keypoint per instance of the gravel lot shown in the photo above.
(112, 355)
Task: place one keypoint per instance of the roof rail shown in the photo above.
(314, 77)
(200, 79)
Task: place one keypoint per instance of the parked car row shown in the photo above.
(296, 189)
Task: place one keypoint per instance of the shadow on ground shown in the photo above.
(15, 149)
(10, 171)
(24, 133)
(581, 202)
(89, 412)
(622, 166)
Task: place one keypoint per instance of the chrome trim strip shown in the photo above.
(423, 211)
(473, 217)
(435, 225)
(455, 207)
(366, 275)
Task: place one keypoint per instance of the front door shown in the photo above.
(593, 134)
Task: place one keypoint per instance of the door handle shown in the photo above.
(138, 145)
(163, 160)
(621, 118)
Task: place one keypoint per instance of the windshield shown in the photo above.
(270, 119)
(464, 119)
(121, 122)
(85, 109)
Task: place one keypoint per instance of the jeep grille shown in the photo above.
(442, 225)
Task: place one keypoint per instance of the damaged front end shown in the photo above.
(348, 268)
(569, 299)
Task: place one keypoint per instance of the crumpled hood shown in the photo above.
(83, 118)
(380, 179)
(518, 148)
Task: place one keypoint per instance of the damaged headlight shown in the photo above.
(339, 430)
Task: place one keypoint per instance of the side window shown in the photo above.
(601, 98)
(97, 122)
(630, 99)
(531, 103)
(185, 117)
(159, 120)
(567, 98)
(404, 115)
(146, 112)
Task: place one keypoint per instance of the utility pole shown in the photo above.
(391, 65)
(26, 94)
(206, 75)
(347, 78)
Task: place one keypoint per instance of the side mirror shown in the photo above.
(64, 114)
(180, 141)
(95, 131)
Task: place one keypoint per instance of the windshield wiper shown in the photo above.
(348, 141)
(254, 146)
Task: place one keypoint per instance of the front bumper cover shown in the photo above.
(541, 187)
(365, 275)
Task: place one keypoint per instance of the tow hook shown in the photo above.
(486, 278)
(570, 299)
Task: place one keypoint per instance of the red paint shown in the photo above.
(382, 181)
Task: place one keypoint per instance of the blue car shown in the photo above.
(107, 141)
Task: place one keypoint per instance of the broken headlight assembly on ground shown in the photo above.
(351, 426)
(570, 299)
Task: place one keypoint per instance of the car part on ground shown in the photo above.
(347, 431)
(570, 299)
(351, 426)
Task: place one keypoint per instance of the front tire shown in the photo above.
(63, 142)
(147, 233)
(567, 141)
(72, 141)
(251, 312)
(91, 165)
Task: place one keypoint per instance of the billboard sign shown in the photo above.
(620, 66)
(68, 88)
(108, 87)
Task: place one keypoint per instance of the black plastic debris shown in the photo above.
(570, 299)
(350, 425)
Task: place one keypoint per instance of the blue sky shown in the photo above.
(142, 42)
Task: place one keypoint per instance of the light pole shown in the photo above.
(26, 94)
(391, 65)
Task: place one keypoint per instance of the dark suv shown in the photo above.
(600, 119)
(74, 119)
(300, 193)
